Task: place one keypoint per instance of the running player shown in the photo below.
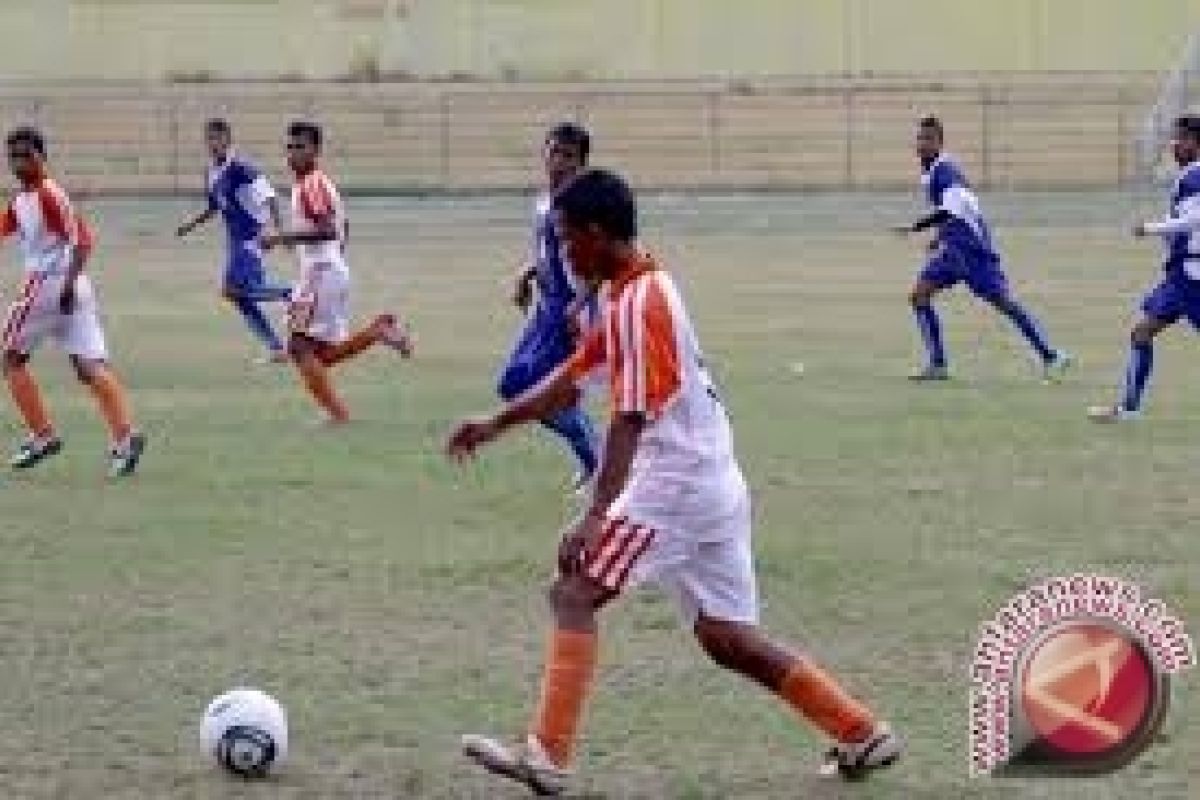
(319, 310)
(548, 338)
(57, 301)
(962, 252)
(1177, 295)
(244, 198)
(669, 506)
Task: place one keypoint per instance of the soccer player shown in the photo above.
(56, 301)
(962, 252)
(1178, 293)
(669, 506)
(547, 339)
(244, 198)
(319, 310)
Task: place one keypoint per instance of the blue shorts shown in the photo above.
(982, 275)
(244, 270)
(1171, 300)
(545, 343)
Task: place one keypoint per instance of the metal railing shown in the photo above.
(850, 134)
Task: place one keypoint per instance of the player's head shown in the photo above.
(303, 145)
(218, 137)
(26, 153)
(1185, 139)
(930, 137)
(565, 152)
(597, 219)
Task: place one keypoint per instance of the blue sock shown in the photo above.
(1137, 374)
(573, 425)
(257, 322)
(931, 334)
(1029, 328)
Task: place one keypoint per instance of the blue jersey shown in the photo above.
(966, 232)
(240, 192)
(1183, 249)
(557, 284)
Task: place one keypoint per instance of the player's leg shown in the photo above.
(717, 594)
(383, 329)
(933, 279)
(244, 285)
(543, 761)
(1138, 369)
(82, 337)
(989, 283)
(305, 354)
(30, 319)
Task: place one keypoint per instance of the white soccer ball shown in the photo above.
(246, 731)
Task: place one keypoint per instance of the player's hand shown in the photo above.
(468, 436)
(1139, 230)
(583, 534)
(66, 300)
(901, 230)
(522, 294)
(268, 241)
(183, 230)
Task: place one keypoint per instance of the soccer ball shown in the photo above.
(246, 731)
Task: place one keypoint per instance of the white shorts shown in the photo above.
(320, 304)
(691, 538)
(36, 315)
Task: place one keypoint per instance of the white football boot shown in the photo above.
(525, 763)
(854, 761)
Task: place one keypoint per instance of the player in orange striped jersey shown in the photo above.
(319, 310)
(670, 506)
(57, 301)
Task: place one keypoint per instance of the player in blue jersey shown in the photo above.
(548, 337)
(1177, 295)
(243, 196)
(962, 252)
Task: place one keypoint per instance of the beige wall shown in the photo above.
(140, 39)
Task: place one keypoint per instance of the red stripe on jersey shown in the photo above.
(316, 201)
(8, 222)
(56, 210)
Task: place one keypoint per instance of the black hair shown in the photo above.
(218, 125)
(934, 124)
(308, 130)
(602, 198)
(1189, 124)
(573, 134)
(30, 136)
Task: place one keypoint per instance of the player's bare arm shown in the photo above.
(190, 225)
(620, 445)
(79, 256)
(937, 217)
(523, 286)
(325, 230)
(556, 392)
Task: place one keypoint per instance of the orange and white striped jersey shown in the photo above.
(648, 351)
(314, 197)
(42, 218)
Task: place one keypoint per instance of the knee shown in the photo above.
(574, 601)
(14, 360)
(919, 297)
(85, 369)
(300, 347)
(720, 642)
(1142, 334)
(511, 384)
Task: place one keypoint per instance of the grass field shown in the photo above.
(393, 602)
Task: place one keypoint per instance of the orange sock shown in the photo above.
(357, 343)
(28, 399)
(566, 683)
(114, 406)
(816, 695)
(316, 380)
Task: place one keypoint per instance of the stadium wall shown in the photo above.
(594, 39)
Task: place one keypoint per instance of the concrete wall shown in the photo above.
(153, 39)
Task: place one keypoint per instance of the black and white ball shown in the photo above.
(246, 731)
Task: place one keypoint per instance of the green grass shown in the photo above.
(393, 602)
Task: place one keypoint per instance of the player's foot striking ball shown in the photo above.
(669, 506)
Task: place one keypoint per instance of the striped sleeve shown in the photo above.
(56, 212)
(647, 369)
